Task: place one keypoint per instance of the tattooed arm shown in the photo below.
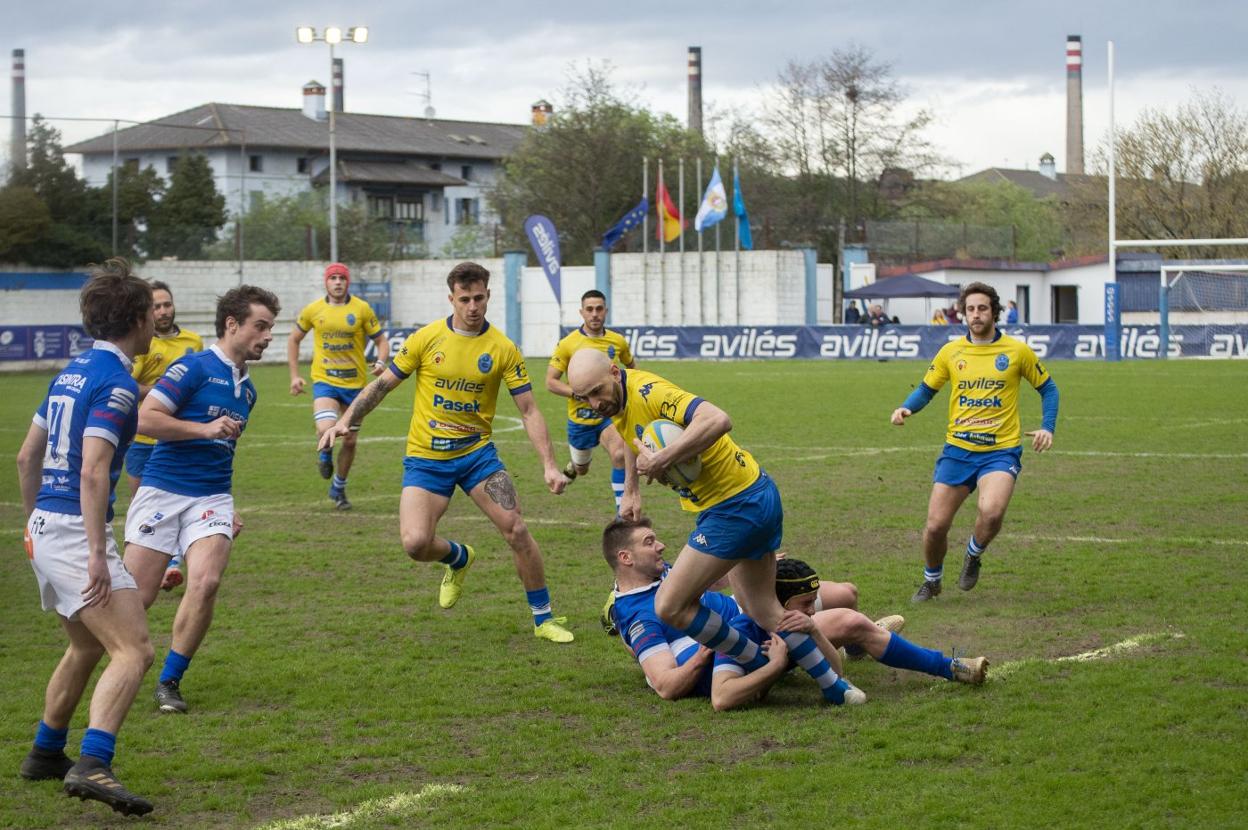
(368, 399)
(535, 426)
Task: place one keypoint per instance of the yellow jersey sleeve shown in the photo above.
(371, 326)
(515, 373)
(563, 354)
(937, 374)
(623, 355)
(727, 469)
(306, 316)
(407, 359)
(1031, 367)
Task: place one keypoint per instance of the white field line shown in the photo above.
(1125, 647)
(1109, 540)
(399, 806)
(512, 425)
(823, 453)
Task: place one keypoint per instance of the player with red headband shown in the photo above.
(343, 325)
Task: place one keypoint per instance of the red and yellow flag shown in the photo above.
(670, 221)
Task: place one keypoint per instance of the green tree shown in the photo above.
(297, 228)
(1037, 223)
(583, 169)
(24, 221)
(187, 218)
(469, 242)
(138, 198)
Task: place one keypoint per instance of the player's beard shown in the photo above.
(167, 329)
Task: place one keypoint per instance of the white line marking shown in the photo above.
(1125, 647)
(1105, 540)
(513, 425)
(838, 452)
(403, 805)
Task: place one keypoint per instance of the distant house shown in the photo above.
(1042, 183)
(425, 176)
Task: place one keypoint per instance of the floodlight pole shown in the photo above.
(333, 169)
(1113, 141)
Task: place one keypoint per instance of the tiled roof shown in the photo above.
(386, 172)
(1038, 183)
(231, 125)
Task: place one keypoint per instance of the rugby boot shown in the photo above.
(970, 572)
(608, 617)
(554, 631)
(172, 579)
(973, 670)
(844, 693)
(45, 764)
(325, 465)
(452, 587)
(169, 698)
(339, 498)
(92, 778)
(929, 589)
(569, 470)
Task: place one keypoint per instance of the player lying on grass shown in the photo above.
(797, 588)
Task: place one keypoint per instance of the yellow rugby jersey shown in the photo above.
(983, 400)
(340, 333)
(612, 344)
(726, 468)
(457, 379)
(162, 354)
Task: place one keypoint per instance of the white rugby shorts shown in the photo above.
(169, 523)
(58, 554)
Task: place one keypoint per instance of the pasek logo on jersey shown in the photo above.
(871, 343)
(749, 343)
(449, 405)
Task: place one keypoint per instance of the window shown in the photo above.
(465, 172)
(409, 209)
(435, 202)
(437, 165)
(381, 207)
(1065, 307)
(301, 164)
(467, 211)
(170, 163)
(255, 164)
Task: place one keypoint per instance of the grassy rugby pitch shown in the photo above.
(332, 691)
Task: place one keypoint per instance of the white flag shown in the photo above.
(714, 205)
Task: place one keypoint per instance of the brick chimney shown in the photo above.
(1074, 105)
(314, 101)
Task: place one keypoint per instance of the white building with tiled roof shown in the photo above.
(428, 175)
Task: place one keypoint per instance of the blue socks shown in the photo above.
(617, 485)
(175, 667)
(51, 739)
(99, 744)
(326, 455)
(709, 629)
(805, 653)
(539, 604)
(338, 483)
(903, 654)
(974, 548)
(457, 558)
(933, 574)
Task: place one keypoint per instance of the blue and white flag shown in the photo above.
(743, 219)
(629, 221)
(545, 242)
(714, 204)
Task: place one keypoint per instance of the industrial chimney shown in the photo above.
(17, 147)
(336, 82)
(1074, 105)
(695, 89)
(542, 111)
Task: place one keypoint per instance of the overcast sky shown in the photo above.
(993, 73)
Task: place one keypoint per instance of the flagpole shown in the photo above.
(701, 268)
(645, 234)
(736, 244)
(718, 286)
(659, 190)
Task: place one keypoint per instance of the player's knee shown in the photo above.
(937, 527)
(204, 585)
(417, 545)
(676, 614)
(86, 653)
(516, 532)
(136, 654)
(992, 519)
(348, 440)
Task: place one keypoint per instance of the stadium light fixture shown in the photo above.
(332, 35)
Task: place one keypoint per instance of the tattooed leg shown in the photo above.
(496, 498)
(500, 489)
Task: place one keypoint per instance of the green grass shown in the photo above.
(330, 677)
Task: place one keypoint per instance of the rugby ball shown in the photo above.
(657, 435)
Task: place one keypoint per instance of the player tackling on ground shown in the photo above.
(586, 428)
(341, 325)
(459, 364)
(170, 343)
(984, 445)
(740, 517)
(68, 467)
(197, 411)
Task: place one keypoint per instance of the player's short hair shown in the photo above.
(794, 578)
(114, 300)
(593, 294)
(619, 535)
(980, 288)
(157, 285)
(237, 303)
(465, 274)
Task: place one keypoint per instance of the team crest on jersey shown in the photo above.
(485, 363)
(640, 431)
(206, 515)
(1002, 362)
(645, 390)
(611, 352)
(438, 357)
(961, 364)
(350, 319)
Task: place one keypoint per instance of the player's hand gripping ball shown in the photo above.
(657, 435)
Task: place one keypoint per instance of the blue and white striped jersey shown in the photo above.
(199, 387)
(93, 397)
